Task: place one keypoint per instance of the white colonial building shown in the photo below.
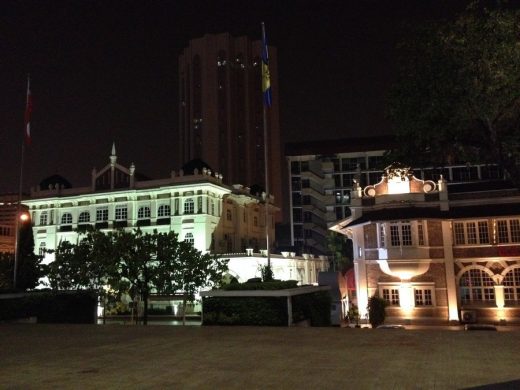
(194, 203)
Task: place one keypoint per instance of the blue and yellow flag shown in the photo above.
(266, 79)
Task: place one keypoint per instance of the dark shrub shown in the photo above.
(376, 311)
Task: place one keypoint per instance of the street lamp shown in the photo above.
(21, 218)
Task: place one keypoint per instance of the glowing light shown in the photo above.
(406, 298)
(24, 217)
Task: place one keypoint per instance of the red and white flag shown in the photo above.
(28, 112)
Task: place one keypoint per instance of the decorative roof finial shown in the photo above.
(113, 157)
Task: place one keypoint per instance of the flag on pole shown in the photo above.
(28, 112)
(266, 80)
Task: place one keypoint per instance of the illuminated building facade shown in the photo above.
(196, 205)
(221, 110)
(436, 252)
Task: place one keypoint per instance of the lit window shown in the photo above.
(66, 219)
(502, 235)
(84, 217)
(163, 211)
(42, 249)
(143, 212)
(189, 238)
(423, 297)
(512, 285)
(471, 233)
(420, 233)
(189, 206)
(43, 218)
(508, 231)
(476, 286)
(391, 296)
(401, 234)
(121, 213)
(102, 214)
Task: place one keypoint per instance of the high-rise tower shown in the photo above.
(221, 110)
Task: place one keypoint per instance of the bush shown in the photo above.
(77, 307)
(267, 311)
(376, 311)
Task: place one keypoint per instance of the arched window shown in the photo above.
(143, 212)
(189, 206)
(228, 215)
(163, 210)
(43, 218)
(84, 217)
(512, 285)
(66, 219)
(476, 286)
(42, 248)
(189, 238)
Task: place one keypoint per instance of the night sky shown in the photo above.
(105, 71)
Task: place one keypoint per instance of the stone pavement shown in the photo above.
(37, 356)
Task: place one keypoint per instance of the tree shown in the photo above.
(457, 95)
(341, 249)
(197, 271)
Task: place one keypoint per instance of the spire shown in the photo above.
(113, 157)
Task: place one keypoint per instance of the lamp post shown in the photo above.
(21, 218)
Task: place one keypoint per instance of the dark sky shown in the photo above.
(106, 71)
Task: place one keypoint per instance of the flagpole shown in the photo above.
(20, 189)
(266, 161)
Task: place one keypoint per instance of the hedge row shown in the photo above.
(267, 311)
(75, 307)
(274, 285)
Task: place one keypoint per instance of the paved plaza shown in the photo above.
(35, 356)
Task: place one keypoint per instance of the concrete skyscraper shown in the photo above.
(221, 110)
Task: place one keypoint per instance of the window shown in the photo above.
(470, 233)
(121, 213)
(483, 232)
(102, 214)
(391, 295)
(43, 218)
(423, 297)
(189, 206)
(42, 249)
(66, 219)
(382, 240)
(476, 286)
(188, 237)
(512, 285)
(255, 221)
(228, 215)
(143, 212)
(163, 210)
(508, 231)
(84, 217)
(420, 234)
(401, 234)
(212, 208)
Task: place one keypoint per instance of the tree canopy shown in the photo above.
(457, 95)
(134, 263)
